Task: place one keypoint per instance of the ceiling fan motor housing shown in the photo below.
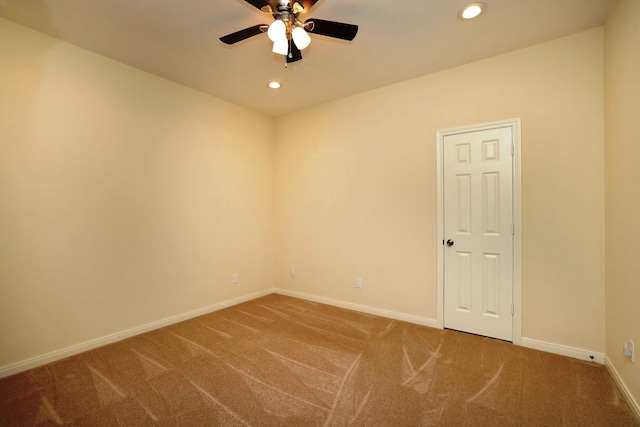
(286, 12)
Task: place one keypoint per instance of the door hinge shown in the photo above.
(513, 310)
(513, 229)
(513, 150)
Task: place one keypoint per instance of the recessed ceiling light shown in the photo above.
(471, 11)
(274, 85)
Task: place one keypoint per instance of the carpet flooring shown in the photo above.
(281, 361)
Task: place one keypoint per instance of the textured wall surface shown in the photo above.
(356, 191)
(124, 198)
(622, 82)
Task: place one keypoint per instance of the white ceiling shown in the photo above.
(397, 40)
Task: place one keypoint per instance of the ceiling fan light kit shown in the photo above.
(281, 47)
(277, 31)
(300, 38)
(288, 33)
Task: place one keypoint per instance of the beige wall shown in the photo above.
(124, 198)
(356, 187)
(622, 148)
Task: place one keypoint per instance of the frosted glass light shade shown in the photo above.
(281, 47)
(277, 31)
(300, 37)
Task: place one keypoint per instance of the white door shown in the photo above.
(478, 232)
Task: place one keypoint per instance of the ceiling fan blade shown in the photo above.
(258, 4)
(294, 53)
(307, 4)
(238, 36)
(337, 30)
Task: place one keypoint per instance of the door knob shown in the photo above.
(450, 242)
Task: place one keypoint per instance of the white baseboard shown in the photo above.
(633, 403)
(424, 321)
(563, 350)
(34, 362)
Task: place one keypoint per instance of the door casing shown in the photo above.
(515, 126)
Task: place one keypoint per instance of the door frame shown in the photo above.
(515, 126)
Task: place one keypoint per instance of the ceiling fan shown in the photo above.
(288, 32)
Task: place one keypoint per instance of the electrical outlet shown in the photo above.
(234, 278)
(292, 272)
(358, 282)
(630, 350)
